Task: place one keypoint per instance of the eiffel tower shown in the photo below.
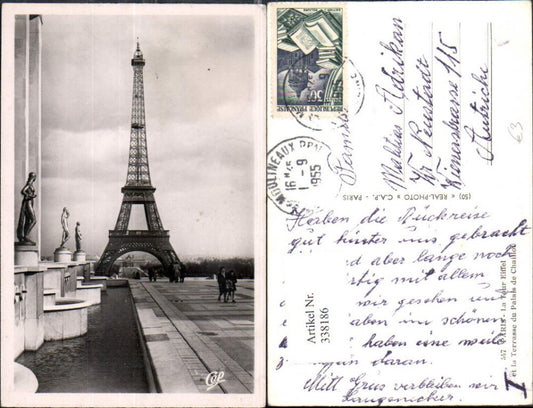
(138, 191)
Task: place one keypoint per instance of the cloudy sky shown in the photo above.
(199, 95)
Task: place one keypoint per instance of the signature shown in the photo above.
(213, 379)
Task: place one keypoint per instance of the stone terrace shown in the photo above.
(190, 334)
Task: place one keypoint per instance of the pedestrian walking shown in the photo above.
(221, 279)
(231, 287)
(175, 276)
(183, 272)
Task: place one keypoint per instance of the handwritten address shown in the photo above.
(420, 163)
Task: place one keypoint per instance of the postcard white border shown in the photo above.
(9, 397)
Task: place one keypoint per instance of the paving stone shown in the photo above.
(156, 337)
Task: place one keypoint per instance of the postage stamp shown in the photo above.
(309, 58)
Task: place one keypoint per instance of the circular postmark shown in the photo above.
(312, 96)
(356, 86)
(299, 174)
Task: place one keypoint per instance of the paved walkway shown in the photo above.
(190, 334)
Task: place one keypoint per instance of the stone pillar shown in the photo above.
(70, 280)
(34, 313)
(28, 112)
(34, 114)
(20, 312)
(21, 125)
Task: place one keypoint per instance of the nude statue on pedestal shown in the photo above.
(64, 224)
(77, 236)
(27, 218)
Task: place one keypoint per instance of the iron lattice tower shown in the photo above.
(138, 190)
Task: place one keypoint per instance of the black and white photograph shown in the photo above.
(132, 210)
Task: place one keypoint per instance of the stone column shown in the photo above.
(34, 113)
(34, 319)
(28, 112)
(21, 126)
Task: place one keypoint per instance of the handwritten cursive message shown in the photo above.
(418, 284)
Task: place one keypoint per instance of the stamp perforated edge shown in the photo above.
(272, 53)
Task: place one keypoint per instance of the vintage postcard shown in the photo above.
(373, 160)
(399, 174)
(133, 205)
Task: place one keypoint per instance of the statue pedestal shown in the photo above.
(80, 256)
(26, 254)
(62, 254)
